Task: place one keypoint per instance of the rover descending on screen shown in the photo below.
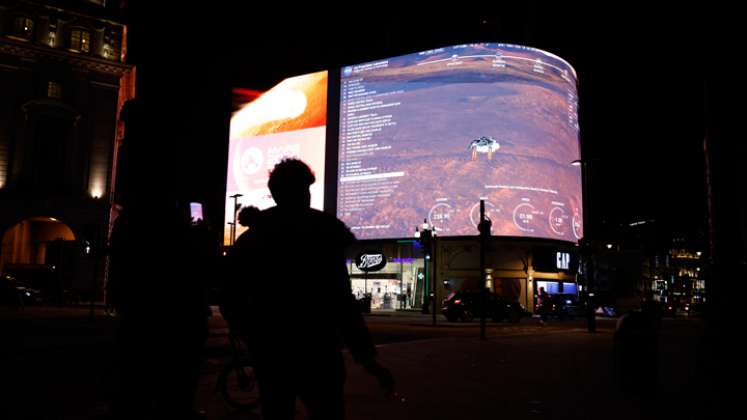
(483, 144)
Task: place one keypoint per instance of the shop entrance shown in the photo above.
(385, 292)
(396, 287)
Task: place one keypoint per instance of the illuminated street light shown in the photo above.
(425, 234)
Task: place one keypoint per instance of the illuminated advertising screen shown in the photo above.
(427, 135)
(288, 120)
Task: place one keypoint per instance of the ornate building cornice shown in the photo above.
(34, 52)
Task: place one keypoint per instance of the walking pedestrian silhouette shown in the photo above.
(300, 310)
(159, 265)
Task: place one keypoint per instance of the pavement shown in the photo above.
(532, 372)
(58, 365)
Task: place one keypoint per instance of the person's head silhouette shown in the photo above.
(289, 183)
(248, 216)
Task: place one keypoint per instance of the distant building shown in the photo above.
(644, 258)
(63, 81)
(680, 276)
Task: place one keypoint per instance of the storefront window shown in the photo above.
(396, 286)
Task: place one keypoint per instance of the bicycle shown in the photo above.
(237, 382)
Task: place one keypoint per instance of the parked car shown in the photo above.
(465, 306)
(15, 293)
(561, 306)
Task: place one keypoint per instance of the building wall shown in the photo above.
(456, 265)
(58, 118)
(509, 262)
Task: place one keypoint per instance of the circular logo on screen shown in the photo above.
(347, 71)
(524, 217)
(474, 212)
(440, 216)
(577, 226)
(558, 219)
(251, 161)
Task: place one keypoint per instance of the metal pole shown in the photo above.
(93, 251)
(235, 208)
(425, 282)
(591, 321)
(230, 238)
(92, 309)
(401, 297)
(433, 278)
(483, 300)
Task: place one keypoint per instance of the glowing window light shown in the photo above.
(97, 188)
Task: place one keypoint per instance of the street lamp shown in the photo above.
(231, 226)
(484, 229)
(235, 210)
(425, 234)
(586, 248)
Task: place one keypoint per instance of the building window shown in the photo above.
(110, 47)
(52, 31)
(23, 27)
(80, 40)
(54, 90)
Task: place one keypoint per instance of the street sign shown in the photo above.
(370, 261)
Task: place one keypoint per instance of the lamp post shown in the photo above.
(231, 229)
(235, 210)
(425, 234)
(484, 229)
(586, 247)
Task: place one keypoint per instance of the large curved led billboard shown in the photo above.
(428, 135)
(288, 120)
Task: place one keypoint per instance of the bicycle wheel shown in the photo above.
(238, 385)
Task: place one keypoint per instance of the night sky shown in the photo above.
(642, 75)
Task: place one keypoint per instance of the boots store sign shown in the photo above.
(370, 261)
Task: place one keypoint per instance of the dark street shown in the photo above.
(523, 370)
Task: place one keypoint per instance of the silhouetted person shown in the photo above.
(651, 309)
(636, 353)
(543, 301)
(233, 295)
(159, 264)
(301, 310)
(248, 216)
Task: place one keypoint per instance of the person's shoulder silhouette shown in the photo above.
(289, 184)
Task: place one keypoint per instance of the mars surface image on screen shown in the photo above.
(427, 135)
